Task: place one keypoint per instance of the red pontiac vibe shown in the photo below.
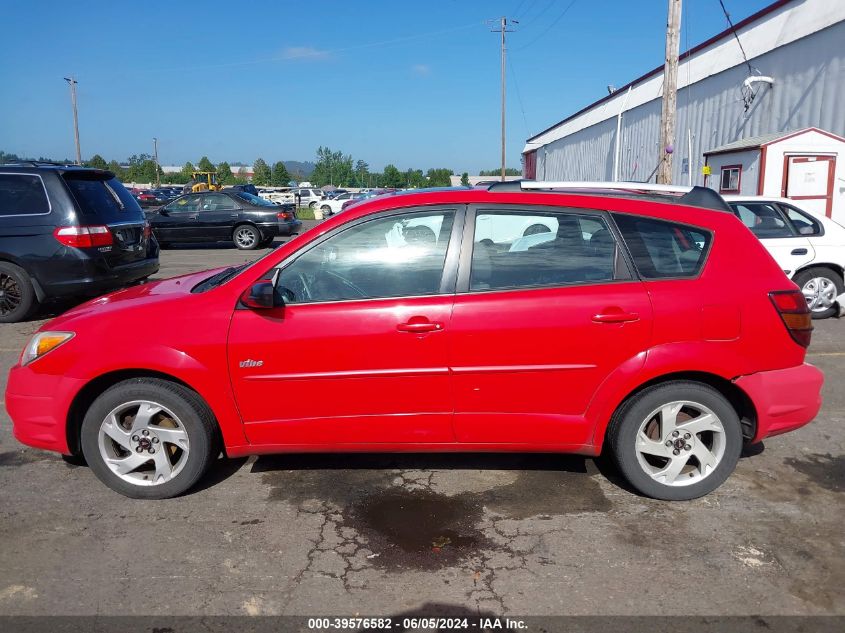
(526, 317)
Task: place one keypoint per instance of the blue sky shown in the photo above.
(415, 84)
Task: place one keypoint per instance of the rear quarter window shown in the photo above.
(103, 201)
(22, 194)
(664, 250)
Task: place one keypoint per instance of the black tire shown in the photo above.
(835, 278)
(17, 296)
(253, 241)
(625, 425)
(313, 205)
(192, 412)
(326, 209)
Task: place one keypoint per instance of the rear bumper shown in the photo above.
(785, 399)
(92, 277)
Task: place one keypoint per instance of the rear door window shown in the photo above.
(514, 249)
(22, 194)
(803, 223)
(662, 249)
(102, 201)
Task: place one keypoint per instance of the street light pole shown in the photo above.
(155, 153)
(73, 83)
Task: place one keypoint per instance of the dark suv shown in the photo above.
(67, 231)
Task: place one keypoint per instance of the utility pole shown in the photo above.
(670, 90)
(73, 83)
(503, 28)
(155, 153)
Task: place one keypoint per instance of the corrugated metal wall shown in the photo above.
(809, 91)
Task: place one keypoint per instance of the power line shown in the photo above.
(733, 30)
(519, 97)
(550, 27)
(548, 6)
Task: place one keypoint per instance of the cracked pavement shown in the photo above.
(386, 534)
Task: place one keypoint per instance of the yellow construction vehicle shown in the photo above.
(205, 181)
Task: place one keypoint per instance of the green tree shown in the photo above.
(115, 168)
(242, 177)
(187, 170)
(465, 179)
(509, 171)
(261, 174)
(415, 179)
(280, 176)
(392, 177)
(439, 177)
(205, 164)
(98, 162)
(362, 171)
(224, 174)
(333, 168)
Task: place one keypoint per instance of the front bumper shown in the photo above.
(38, 405)
(785, 399)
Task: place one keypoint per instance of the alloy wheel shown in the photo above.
(245, 237)
(680, 443)
(10, 294)
(820, 293)
(143, 443)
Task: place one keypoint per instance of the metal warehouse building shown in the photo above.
(790, 78)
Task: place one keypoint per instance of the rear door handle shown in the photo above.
(799, 251)
(193, 217)
(615, 316)
(419, 326)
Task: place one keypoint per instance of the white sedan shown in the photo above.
(330, 206)
(809, 248)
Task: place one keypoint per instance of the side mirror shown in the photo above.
(260, 296)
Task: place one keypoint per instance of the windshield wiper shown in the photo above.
(219, 278)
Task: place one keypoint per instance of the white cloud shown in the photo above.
(304, 52)
(421, 69)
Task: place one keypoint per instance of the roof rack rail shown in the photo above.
(695, 196)
(35, 163)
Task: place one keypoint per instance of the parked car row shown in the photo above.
(444, 321)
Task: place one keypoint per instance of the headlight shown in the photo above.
(42, 343)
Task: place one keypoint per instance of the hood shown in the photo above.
(134, 297)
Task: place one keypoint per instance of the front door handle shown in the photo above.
(615, 315)
(799, 251)
(193, 217)
(419, 325)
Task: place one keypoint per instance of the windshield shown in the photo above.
(261, 202)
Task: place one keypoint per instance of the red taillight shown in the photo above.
(84, 236)
(147, 230)
(793, 310)
(283, 215)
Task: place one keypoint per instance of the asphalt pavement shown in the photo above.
(449, 534)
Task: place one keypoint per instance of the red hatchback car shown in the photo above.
(508, 319)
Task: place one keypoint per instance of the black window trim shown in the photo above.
(774, 205)
(623, 269)
(450, 263)
(693, 227)
(43, 186)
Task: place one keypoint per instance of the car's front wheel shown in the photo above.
(326, 209)
(149, 438)
(820, 287)
(246, 237)
(676, 441)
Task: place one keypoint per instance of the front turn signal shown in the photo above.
(43, 343)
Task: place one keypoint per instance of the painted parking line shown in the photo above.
(827, 354)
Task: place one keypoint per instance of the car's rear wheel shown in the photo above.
(148, 438)
(326, 209)
(246, 237)
(17, 296)
(820, 287)
(676, 441)
(312, 205)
